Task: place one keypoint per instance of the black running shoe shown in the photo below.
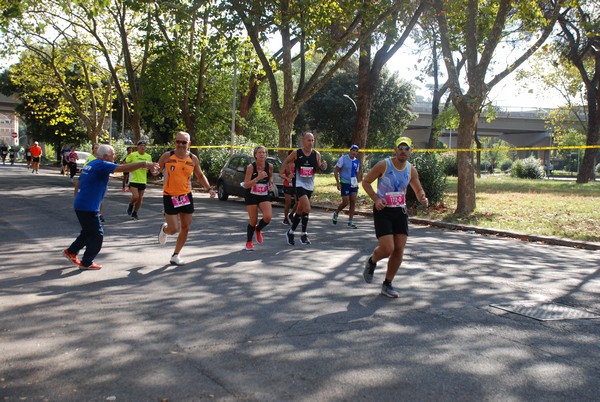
(304, 239)
(289, 236)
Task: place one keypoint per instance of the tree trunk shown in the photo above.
(285, 123)
(469, 115)
(586, 170)
(247, 100)
(367, 81)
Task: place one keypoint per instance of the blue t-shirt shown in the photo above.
(92, 185)
(348, 168)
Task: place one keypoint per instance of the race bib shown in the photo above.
(181, 201)
(260, 189)
(395, 200)
(353, 182)
(306, 171)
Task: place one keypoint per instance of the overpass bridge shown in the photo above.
(520, 127)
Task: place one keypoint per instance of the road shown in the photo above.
(281, 323)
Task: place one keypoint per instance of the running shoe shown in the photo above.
(304, 239)
(259, 236)
(101, 218)
(130, 209)
(162, 236)
(286, 222)
(335, 218)
(71, 257)
(175, 259)
(369, 270)
(389, 291)
(352, 225)
(92, 267)
(249, 246)
(134, 216)
(289, 235)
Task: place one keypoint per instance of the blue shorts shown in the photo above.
(347, 189)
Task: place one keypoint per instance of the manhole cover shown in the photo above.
(546, 311)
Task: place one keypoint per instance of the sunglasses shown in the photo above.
(403, 148)
(181, 142)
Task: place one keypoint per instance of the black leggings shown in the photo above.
(72, 169)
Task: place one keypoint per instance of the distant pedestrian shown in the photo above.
(28, 156)
(89, 192)
(257, 182)
(36, 157)
(125, 181)
(393, 176)
(137, 180)
(347, 175)
(3, 153)
(73, 162)
(178, 166)
(12, 153)
(307, 162)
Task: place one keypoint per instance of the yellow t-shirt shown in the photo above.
(178, 172)
(141, 175)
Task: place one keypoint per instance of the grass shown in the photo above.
(558, 208)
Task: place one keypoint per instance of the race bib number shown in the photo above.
(306, 171)
(260, 189)
(180, 201)
(353, 182)
(395, 200)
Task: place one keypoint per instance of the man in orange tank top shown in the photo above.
(177, 167)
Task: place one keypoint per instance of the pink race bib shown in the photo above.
(260, 189)
(180, 201)
(306, 171)
(395, 200)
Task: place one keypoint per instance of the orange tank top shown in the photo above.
(178, 173)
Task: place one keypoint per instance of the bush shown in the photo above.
(449, 164)
(530, 168)
(432, 177)
(506, 165)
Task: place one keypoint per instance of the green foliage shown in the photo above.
(506, 165)
(213, 159)
(449, 163)
(529, 168)
(432, 177)
(598, 169)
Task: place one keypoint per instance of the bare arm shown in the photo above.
(283, 169)
(200, 177)
(130, 167)
(415, 183)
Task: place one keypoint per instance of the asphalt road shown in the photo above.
(281, 323)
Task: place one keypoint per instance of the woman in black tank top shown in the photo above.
(257, 182)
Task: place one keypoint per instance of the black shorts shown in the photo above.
(36, 158)
(184, 209)
(139, 186)
(253, 199)
(289, 190)
(390, 221)
(300, 191)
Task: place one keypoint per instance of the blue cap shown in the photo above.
(354, 148)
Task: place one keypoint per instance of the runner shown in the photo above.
(89, 192)
(72, 162)
(90, 158)
(36, 156)
(64, 153)
(4, 153)
(393, 176)
(28, 156)
(289, 194)
(306, 161)
(177, 167)
(126, 174)
(257, 182)
(347, 176)
(137, 180)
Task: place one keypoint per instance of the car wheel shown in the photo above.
(222, 194)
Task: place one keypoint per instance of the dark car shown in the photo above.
(234, 172)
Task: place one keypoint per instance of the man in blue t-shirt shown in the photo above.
(347, 174)
(89, 192)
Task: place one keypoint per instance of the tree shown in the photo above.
(335, 30)
(369, 70)
(580, 44)
(332, 114)
(475, 29)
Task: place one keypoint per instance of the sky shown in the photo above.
(508, 93)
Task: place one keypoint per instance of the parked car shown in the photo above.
(81, 158)
(234, 172)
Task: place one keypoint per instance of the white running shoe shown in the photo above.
(162, 236)
(177, 260)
